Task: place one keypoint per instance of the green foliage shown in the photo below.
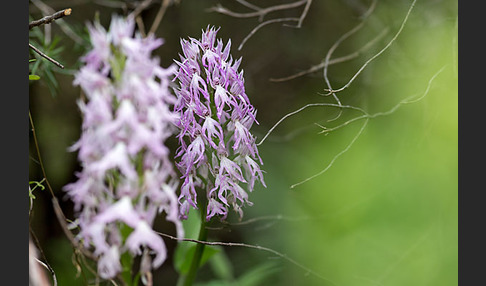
(33, 77)
(217, 259)
(36, 185)
(53, 48)
(43, 67)
(221, 266)
(252, 277)
(184, 251)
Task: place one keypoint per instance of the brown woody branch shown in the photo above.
(45, 56)
(49, 19)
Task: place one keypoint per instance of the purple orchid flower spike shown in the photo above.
(217, 152)
(127, 177)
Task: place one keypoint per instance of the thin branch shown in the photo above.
(124, 5)
(49, 19)
(328, 130)
(49, 188)
(36, 249)
(64, 27)
(58, 5)
(305, 107)
(34, 136)
(271, 217)
(57, 209)
(45, 56)
(259, 13)
(379, 53)
(141, 7)
(141, 26)
(410, 99)
(236, 244)
(136, 15)
(264, 24)
(37, 276)
(367, 117)
(248, 5)
(159, 16)
(54, 279)
(62, 220)
(290, 135)
(340, 40)
(304, 13)
(262, 12)
(334, 47)
(335, 157)
(333, 61)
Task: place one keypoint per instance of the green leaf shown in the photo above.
(33, 77)
(221, 266)
(258, 274)
(36, 185)
(127, 263)
(215, 283)
(126, 258)
(184, 263)
(31, 194)
(184, 251)
(191, 228)
(253, 277)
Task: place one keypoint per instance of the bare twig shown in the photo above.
(248, 5)
(264, 24)
(49, 19)
(159, 16)
(136, 14)
(305, 107)
(366, 116)
(141, 25)
(237, 244)
(262, 12)
(37, 276)
(57, 209)
(45, 56)
(142, 6)
(259, 13)
(124, 5)
(34, 136)
(335, 157)
(304, 13)
(32, 235)
(333, 61)
(38, 251)
(334, 47)
(47, 10)
(62, 220)
(377, 54)
(339, 41)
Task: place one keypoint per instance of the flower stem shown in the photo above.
(188, 279)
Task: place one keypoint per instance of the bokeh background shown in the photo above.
(384, 213)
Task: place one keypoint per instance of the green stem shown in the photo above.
(126, 274)
(188, 279)
(126, 258)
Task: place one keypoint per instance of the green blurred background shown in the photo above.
(385, 212)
